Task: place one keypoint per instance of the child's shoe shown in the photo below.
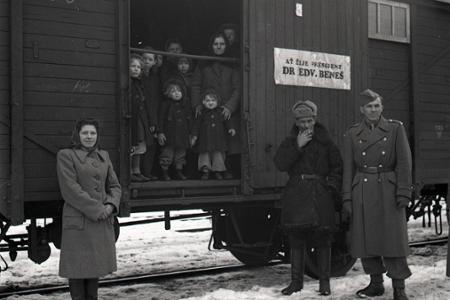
(227, 175)
(205, 174)
(218, 175)
(165, 174)
(179, 175)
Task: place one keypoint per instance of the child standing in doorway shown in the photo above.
(174, 128)
(140, 129)
(210, 129)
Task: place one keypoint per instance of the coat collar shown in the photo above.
(372, 136)
(83, 154)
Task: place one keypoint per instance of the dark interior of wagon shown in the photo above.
(192, 22)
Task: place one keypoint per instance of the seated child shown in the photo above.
(210, 129)
(174, 128)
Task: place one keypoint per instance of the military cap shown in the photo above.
(368, 96)
(304, 109)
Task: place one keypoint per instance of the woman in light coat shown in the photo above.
(91, 193)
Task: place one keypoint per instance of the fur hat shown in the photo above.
(368, 96)
(304, 109)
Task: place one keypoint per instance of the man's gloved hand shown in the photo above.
(402, 201)
(347, 211)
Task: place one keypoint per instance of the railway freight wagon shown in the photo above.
(62, 60)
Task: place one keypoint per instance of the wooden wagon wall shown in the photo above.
(4, 103)
(431, 79)
(69, 73)
(335, 26)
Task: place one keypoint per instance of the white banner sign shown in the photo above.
(316, 69)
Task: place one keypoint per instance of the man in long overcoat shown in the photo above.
(314, 165)
(376, 190)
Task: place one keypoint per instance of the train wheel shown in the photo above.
(341, 260)
(251, 234)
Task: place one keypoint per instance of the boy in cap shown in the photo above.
(376, 190)
(314, 165)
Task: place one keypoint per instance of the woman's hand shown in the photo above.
(152, 129)
(226, 113)
(304, 137)
(198, 110)
(161, 139)
(232, 132)
(193, 140)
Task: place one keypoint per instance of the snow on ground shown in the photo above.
(149, 248)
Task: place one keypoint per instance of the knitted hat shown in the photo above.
(304, 109)
(368, 96)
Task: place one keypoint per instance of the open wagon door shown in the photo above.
(317, 27)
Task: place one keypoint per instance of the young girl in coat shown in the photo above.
(210, 129)
(91, 193)
(174, 128)
(140, 128)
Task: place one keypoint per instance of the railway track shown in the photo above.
(133, 279)
(156, 277)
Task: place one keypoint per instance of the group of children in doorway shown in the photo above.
(163, 121)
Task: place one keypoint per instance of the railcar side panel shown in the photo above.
(336, 27)
(389, 72)
(5, 123)
(69, 73)
(432, 94)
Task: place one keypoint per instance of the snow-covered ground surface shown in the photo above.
(149, 248)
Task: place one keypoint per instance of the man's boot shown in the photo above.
(297, 271)
(324, 264)
(375, 287)
(398, 286)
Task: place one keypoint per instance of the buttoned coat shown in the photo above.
(378, 226)
(310, 203)
(176, 122)
(87, 182)
(225, 80)
(139, 112)
(211, 129)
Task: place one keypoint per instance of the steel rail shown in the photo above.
(134, 279)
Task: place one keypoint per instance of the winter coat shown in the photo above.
(309, 203)
(87, 182)
(225, 80)
(378, 226)
(152, 94)
(140, 111)
(176, 122)
(211, 129)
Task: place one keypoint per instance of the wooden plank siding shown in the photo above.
(432, 104)
(70, 72)
(5, 142)
(389, 67)
(325, 27)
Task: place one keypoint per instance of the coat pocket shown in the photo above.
(355, 182)
(392, 178)
(73, 222)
